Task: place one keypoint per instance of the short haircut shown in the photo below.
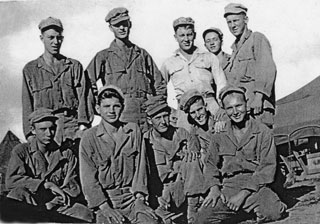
(186, 26)
(109, 93)
(214, 31)
(191, 101)
(233, 93)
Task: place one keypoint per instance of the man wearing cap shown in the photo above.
(247, 154)
(190, 67)
(213, 39)
(203, 123)
(127, 66)
(56, 82)
(43, 174)
(112, 165)
(176, 177)
(251, 65)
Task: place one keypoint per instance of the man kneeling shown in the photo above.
(245, 154)
(113, 166)
(176, 176)
(42, 173)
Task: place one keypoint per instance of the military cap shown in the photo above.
(50, 21)
(111, 88)
(117, 15)
(185, 100)
(41, 114)
(234, 8)
(212, 29)
(154, 104)
(231, 89)
(183, 21)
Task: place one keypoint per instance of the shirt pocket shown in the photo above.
(39, 85)
(160, 158)
(175, 68)
(246, 64)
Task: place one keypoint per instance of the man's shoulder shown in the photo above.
(21, 149)
(130, 126)
(74, 61)
(261, 127)
(89, 133)
(31, 64)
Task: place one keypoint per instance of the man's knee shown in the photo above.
(217, 214)
(20, 193)
(146, 219)
(270, 206)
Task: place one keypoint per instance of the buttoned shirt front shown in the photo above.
(131, 69)
(65, 88)
(111, 160)
(254, 156)
(200, 72)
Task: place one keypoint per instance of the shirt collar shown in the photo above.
(42, 63)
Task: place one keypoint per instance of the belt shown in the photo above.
(136, 94)
(119, 191)
(232, 174)
(66, 112)
(208, 95)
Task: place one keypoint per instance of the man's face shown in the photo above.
(110, 109)
(52, 40)
(121, 30)
(160, 121)
(185, 38)
(198, 112)
(212, 42)
(235, 107)
(237, 24)
(44, 131)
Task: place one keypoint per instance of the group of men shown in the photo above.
(139, 165)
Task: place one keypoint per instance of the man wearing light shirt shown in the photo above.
(191, 68)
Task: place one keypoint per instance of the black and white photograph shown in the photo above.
(160, 111)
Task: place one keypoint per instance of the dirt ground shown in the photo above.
(303, 200)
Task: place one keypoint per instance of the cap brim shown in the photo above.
(119, 20)
(157, 109)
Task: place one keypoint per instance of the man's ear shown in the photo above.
(130, 24)
(246, 20)
(149, 120)
(110, 28)
(195, 35)
(41, 37)
(175, 36)
(33, 130)
(98, 108)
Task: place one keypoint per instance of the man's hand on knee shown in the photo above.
(235, 202)
(112, 215)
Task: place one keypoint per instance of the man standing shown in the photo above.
(251, 65)
(189, 67)
(176, 177)
(246, 153)
(213, 39)
(43, 174)
(56, 82)
(113, 166)
(127, 66)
